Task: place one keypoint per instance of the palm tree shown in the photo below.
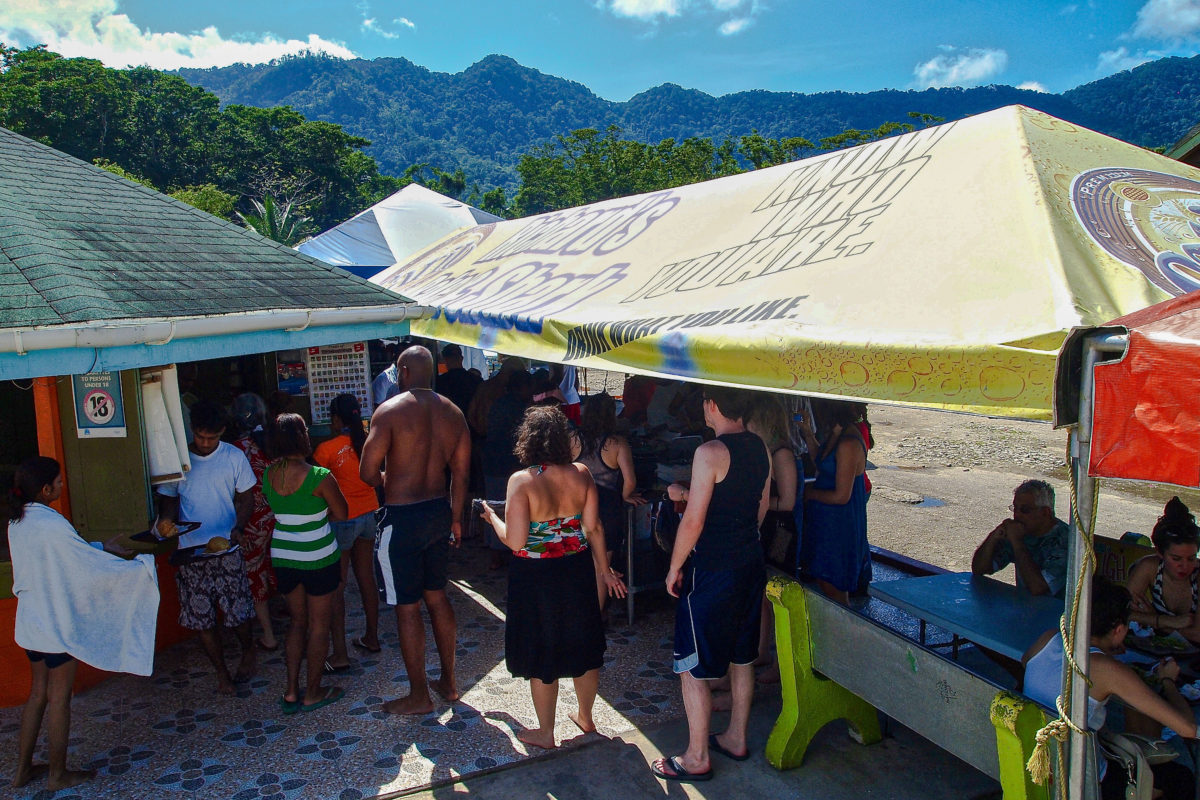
(276, 221)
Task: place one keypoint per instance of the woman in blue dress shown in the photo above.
(835, 505)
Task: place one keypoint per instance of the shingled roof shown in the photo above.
(79, 244)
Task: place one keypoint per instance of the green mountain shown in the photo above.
(484, 118)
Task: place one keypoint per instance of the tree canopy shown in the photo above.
(288, 177)
(174, 137)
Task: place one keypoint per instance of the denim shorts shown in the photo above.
(350, 531)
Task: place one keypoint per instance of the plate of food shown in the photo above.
(1172, 644)
(216, 547)
(1190, 691)
(164, 529)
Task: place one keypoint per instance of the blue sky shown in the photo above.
(618, 48)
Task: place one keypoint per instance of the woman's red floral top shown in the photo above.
(554, 538)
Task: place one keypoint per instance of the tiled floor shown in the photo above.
(170, 735)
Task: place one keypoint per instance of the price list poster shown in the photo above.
(338, 369)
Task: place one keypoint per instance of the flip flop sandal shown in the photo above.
(359, 644)
(332, 695)
(289, 706)
(678, 773)
(716, 747)
(330, 669)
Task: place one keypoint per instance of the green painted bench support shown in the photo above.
(837, 664)
(810, 701)
(1017, 721)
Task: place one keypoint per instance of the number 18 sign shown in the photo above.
(99, 411)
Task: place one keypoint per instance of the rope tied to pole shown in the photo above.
(1059, 729)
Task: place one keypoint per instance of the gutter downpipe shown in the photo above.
(1095, 346)
(152, 332)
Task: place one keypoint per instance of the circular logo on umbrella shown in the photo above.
(1149, 220)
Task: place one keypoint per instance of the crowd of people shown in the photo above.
(387, 504)
(263, 513)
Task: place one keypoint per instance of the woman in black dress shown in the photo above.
(552, 524)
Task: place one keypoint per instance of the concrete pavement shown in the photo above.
(902, 766)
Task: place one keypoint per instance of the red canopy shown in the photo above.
(1146, 422)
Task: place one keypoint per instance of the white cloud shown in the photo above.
(1033, 86)
(960, 67)
(1068, 10)
(93, 29)
(1170, 20)
(645, 9)
(1120, 59)
(739, 14)
(736, 25)
(370, 24)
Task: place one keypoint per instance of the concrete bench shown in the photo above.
(837, 664)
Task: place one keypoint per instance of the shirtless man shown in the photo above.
(415, 436)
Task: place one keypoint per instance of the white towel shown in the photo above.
(73, 598)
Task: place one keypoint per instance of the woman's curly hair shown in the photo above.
(543, 437)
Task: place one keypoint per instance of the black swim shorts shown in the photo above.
(412, 550)
(53, 660)
(316, 582)
(716, 620)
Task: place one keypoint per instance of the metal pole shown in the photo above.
(1085, 493)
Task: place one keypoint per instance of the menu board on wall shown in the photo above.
(338, 369)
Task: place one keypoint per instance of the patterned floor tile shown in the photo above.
(192, 775)
(172, 735)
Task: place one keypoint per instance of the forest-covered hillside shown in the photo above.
(484, 118)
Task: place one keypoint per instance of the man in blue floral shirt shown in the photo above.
(1034, 540)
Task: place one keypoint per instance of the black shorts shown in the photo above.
(412, 550)
(316, 582)
(716, 620)
(52, 660)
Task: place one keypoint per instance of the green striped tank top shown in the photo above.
(302, 538)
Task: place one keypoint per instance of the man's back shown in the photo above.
(384, 387)
(423, 430)
(459, 386)
(504, 418)
(486, 394)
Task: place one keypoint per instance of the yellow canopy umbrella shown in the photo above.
(942, 268)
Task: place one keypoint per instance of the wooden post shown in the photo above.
(49, 432)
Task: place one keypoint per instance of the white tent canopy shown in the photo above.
(392, 230)
(942, 268)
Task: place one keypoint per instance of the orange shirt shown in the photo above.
(338, 456)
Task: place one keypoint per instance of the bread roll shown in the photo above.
(217, 544)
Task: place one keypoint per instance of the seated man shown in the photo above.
(1034, 540)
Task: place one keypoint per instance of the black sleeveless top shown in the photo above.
(606, 477)
(730, 535)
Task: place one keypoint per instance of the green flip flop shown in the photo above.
(332, 695)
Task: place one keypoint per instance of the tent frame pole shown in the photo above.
(1096, 347)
